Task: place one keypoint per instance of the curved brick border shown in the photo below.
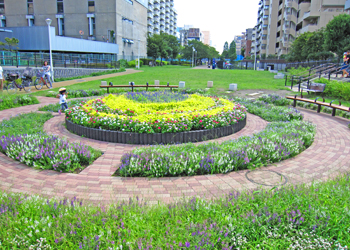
(327, 157)
(157, 138)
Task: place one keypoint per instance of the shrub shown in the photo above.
(123, 63)
(336, 89)
(86, 92)
(298, 71)
(12, 101)
(132, 64)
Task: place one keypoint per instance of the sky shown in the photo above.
(223, 18)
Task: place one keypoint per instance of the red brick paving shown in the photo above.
(327, 157)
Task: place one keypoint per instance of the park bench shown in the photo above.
(132, 86)
(330, 105)
(314, 87)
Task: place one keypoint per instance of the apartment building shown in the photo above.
(121, 22)
(206, 38)
(248, 43)
(280, 21)
(240, 43)
(161, 17)
(314, 14)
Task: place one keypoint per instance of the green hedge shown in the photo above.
(336, 89)
(132, 64)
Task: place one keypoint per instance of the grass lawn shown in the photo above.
(194, 78)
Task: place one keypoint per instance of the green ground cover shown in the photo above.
(194, 78)
(293, 217)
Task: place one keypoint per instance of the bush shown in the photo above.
(298, 71)
(12, 101)
(336, 89)
(146, 61)
(86, 92)
(163, 62)
(123, 63)
(132, 64)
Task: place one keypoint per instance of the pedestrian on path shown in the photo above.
(345, 64)
(47, 73)
(63, 99)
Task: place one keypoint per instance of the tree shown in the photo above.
(224, 53)
(337, 34)
(232, 54)
(162, 45)
(10, 44)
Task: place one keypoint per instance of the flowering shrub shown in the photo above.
(47, 152)
(275, 100)
(123, 114)
(270, 112)
(279, 141)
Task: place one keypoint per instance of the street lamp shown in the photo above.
(193, 55)
(138, 65)
(48, 21)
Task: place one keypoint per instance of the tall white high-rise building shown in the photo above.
(161, 17)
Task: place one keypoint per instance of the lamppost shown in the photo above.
(193, 55)
(48, 21)
(138, 64)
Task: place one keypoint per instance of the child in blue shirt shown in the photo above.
(63, 99)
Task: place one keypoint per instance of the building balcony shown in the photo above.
(308, 28)
(156, 6)
(156, 13)
(162, 5)
(162, 10)
(291, 4)
(150, 23)
(150, 15)
(167, 9)
(150, 29)
(162, 17)
(310, 15)
(167, 4)
(155, 1)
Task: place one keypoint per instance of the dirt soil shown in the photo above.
(245, 93)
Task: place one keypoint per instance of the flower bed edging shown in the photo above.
(155, 138)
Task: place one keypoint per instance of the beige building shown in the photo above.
(162, 17)
(280, 21)
(206, 36)
(114, 21)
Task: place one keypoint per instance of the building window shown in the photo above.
(30, 7)
(91, 6)
(60, 6)
(31, 22)
(92, 26)
(127, 20)
(2, 7)
(3, 23)
(60, 25)
(129, 1)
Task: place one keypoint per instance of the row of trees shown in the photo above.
(324, 43)
(167, 46)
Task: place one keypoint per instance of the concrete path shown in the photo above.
(327, 157)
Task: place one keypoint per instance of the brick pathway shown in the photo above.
(327, 157)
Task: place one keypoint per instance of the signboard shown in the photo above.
(193, 32)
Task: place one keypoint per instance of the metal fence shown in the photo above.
(103, 61)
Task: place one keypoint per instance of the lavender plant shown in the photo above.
(157, 97)
(294, 217)
(47, 152)
(279, 141)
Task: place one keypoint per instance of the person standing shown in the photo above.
(47, 73)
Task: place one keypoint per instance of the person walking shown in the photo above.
(345, 64)
(47, 73)
(63, 99)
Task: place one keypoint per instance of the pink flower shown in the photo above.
(158, 127)
(200, 121)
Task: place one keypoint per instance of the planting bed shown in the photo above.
(155, 118)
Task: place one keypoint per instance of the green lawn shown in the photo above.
(194, 78)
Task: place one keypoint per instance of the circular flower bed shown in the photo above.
(159, 112)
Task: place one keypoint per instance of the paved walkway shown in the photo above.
(327, 157)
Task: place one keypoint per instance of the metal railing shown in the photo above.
(33, 59)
